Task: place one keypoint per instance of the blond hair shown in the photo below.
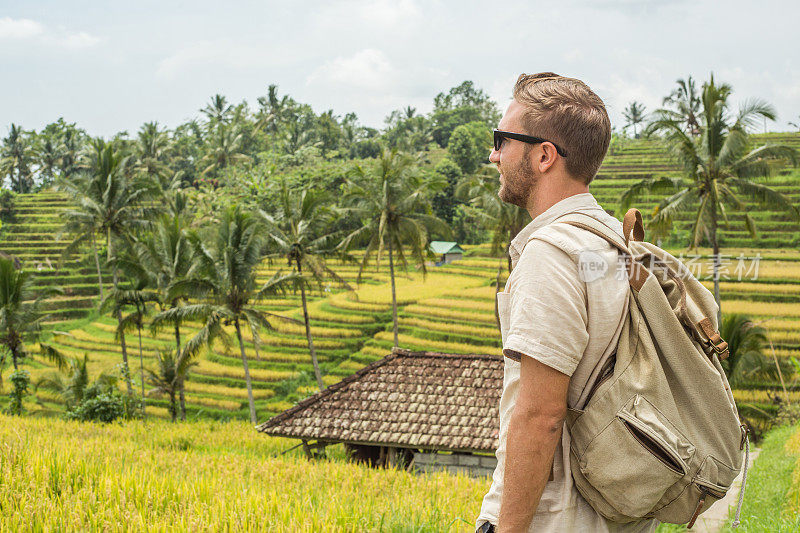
(567, 112)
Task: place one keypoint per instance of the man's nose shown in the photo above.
(494, 156)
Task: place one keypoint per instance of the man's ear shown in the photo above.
(546, 156)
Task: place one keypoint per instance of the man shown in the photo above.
(560, 314)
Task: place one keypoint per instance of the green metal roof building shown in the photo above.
(446, 251)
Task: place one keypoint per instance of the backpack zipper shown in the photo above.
(652, 443)
(605, 374)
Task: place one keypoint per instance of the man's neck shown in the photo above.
(551, 192)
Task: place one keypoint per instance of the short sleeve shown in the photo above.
(548, 312)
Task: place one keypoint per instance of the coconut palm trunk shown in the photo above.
(250, 400)
(181, 392)
(123, 345)
(97, 264)
(141, 368)
(715, 251)
(496, 290)
(255, 346)
(394, 294)
(508, 250)
(14, 356)
(311, 349)
(173, 411)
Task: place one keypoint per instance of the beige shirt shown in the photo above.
(565, 309)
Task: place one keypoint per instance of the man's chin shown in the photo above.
(505, 197)
(502, 193)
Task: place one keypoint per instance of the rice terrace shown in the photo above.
(270, 318)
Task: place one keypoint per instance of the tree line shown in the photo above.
(183, 218)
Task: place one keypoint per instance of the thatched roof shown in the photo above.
(425, 400)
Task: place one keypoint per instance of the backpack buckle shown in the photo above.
(712, 341)
(721, 349)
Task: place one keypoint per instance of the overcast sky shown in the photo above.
(112, 65)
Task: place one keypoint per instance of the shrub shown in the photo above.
(788, 414)
(6, 205)
(103, 402)
(105, 407)
(20, 379)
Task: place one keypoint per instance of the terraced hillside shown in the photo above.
(451, 310)
(638, 159)
(31, 234)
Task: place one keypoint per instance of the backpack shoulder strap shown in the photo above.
(633, 229)
(591, 224)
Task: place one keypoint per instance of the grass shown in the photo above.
(209, 476)
(770, 502)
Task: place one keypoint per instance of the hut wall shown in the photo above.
(474, 465)
(449, 258)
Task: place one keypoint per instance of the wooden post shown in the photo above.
(307, 449)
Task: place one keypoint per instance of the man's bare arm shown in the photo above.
(533, 433)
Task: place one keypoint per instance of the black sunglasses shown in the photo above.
(499, 135)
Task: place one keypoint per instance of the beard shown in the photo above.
(518, 183)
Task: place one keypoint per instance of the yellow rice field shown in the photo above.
(208, 476)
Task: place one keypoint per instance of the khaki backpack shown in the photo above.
(659, 435)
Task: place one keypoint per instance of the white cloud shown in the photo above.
(369, 83)
(367, 69)
(368, 15)
(388, 13)
(572, 56)
(19, 28)
(78, 40)
(222, 54)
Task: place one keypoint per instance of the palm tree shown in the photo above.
(109, 202)
(634, 115)
(717, 168)
(49, 153)
(150, 153)
(20, 314)
(685, 104)
(171, 371)
(300, 232)
(73, 389)
(166, 256)
(223, 277)
(217, 111)
(298, 134)
(139, 298)
(84, 224)
(746, 341)
(393, 204)
(225, 149)
(16, 157)
(271, 110)
(72, 144)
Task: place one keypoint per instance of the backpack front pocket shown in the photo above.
(632, 464)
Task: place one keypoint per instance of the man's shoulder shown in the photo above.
(574, 240)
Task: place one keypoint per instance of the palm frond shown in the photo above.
(646, 186)
(765, 196)
(53, 355)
